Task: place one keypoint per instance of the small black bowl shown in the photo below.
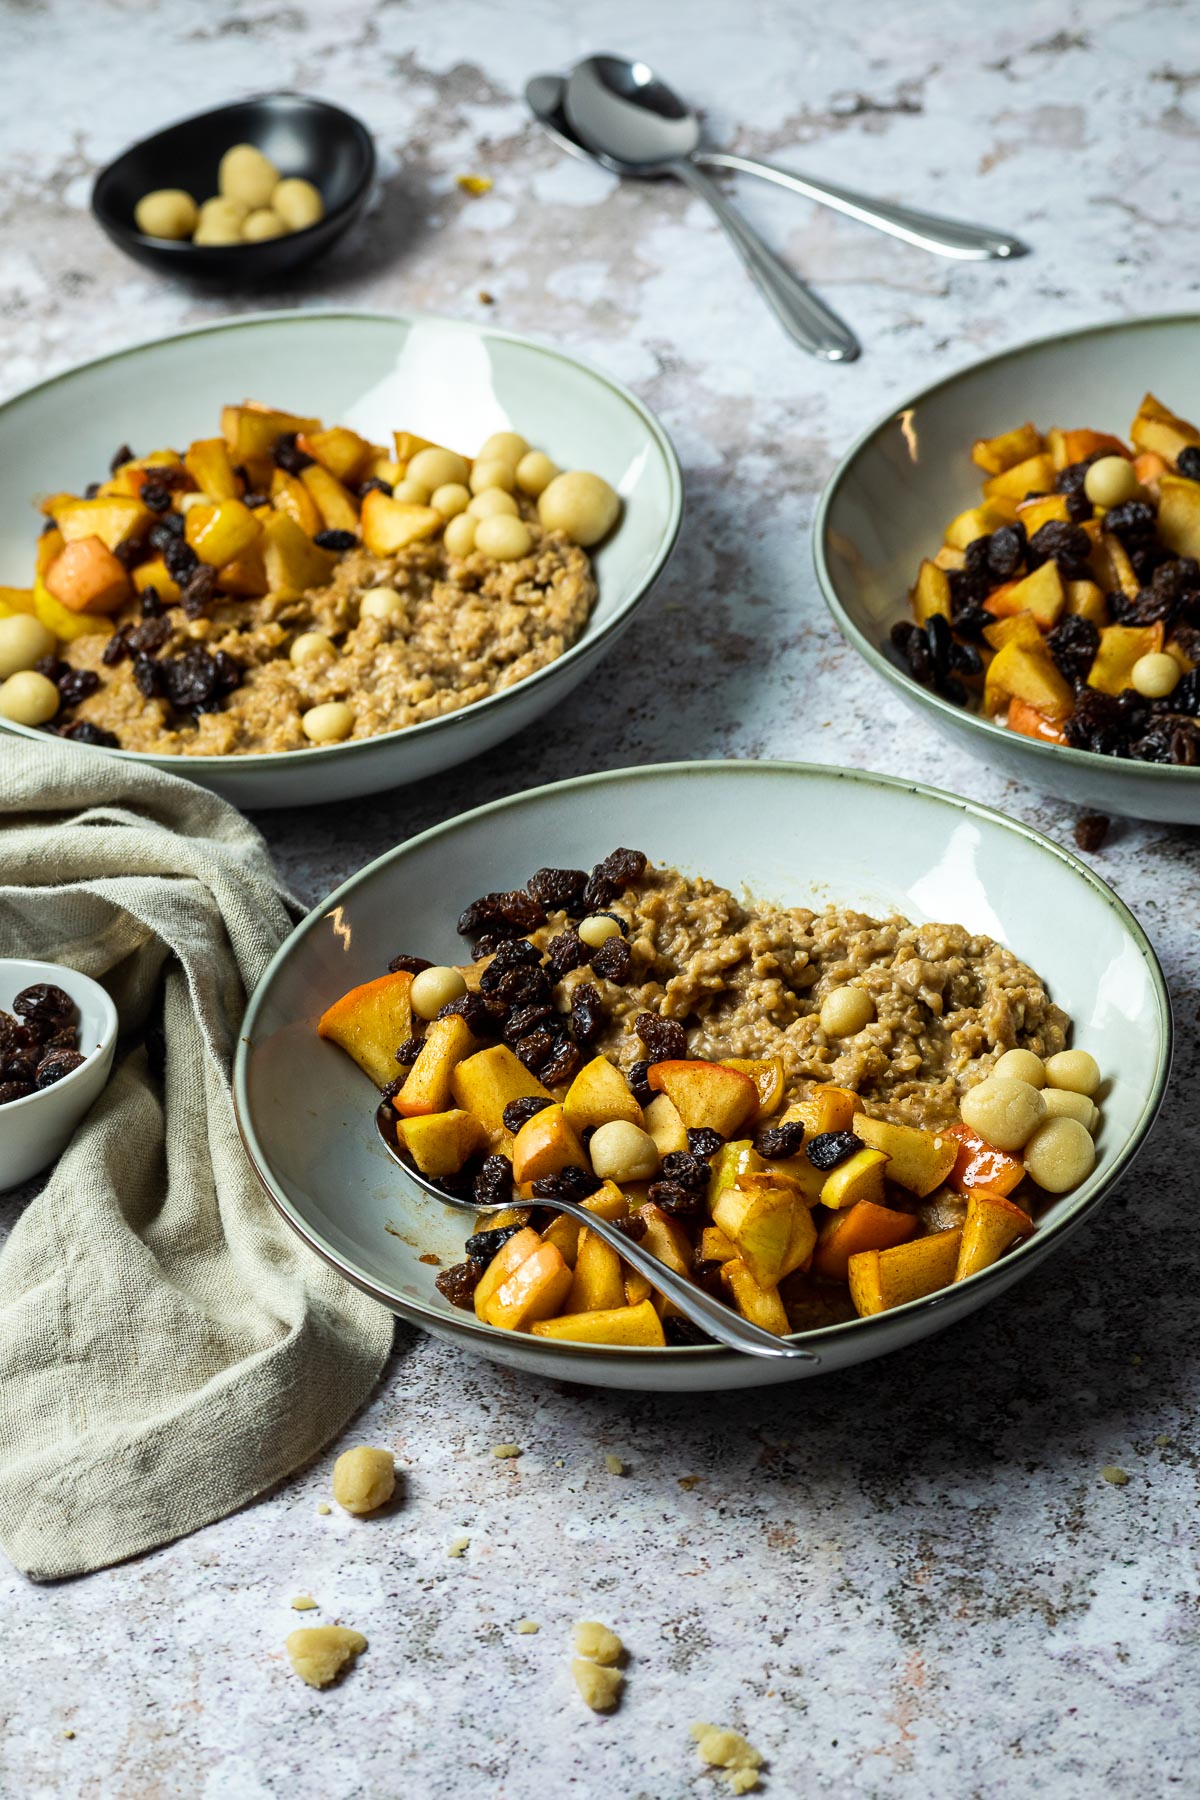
(301, 136)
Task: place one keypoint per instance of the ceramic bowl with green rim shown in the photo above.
(791, 833)
(891, 495)
(444, 379)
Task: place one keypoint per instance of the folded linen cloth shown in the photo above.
(168, 1349)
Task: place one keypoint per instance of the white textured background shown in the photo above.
(912, 1580)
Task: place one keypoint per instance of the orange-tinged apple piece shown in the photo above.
(485, 1083)
(598, 1095)
(860, 1177)
(370, 1023)
(996, 454)
(1148, 467)
(536, 1289)
(1029, 722)
(85, 576)
(761, 1305)
(388, 525)
(766, 1072)
(991, 1225)
(598, 1284)
(707, 1096)
(1068, 447)
(632, 1325)
(756, 1212)
(544, 1145)
(1041, 594)
(440, 1143)
(865, 1226)
(920, 1160)
(563, 1232)
(979, 1164)
(429, 1084)
(509, 1257)
(881, 1279)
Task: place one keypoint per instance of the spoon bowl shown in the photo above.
(629, 112)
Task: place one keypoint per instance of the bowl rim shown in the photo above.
(1050, 755)
(1026, 1255)
(108, 1036)
(183, 249)
(585, 645)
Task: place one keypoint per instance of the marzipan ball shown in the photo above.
(1021, 1065)
(1074, 1069)
(434, 988)
(298, 203)
(1110, 480)
(845, 1011)
(1059, 1155)
(24, 640)
(166, 213)
(492, 474)
(503, 446)
(364, 1478)
(247, 175)
(535, 472)
(452, 498)
(28, 698)
(580, 505)
(1005, 1113)
(412, 493)
(459, 535)
(435, 467)
(597, 929)
(312, 646)
(220, 221)
(502, 537)
(328, 723)
(262, 224)
(490, 501)
(380, 603)
(622, 1151)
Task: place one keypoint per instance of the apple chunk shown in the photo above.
(485, 1083)
(920, 1160)
(756, 1214)
(631, 1326)
(991, 1225)
(707, 1096)
(427, 1086)
(881, 1279)
(545, 1145)
(599, 1095)
(440, 1143)
(370, 1023)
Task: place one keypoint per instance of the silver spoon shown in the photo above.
(718, 1320)
(928, 231)
(630, 135)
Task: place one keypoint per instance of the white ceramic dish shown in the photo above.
(790, 832)
(445, 379)
(893, 491)
(37, 1129)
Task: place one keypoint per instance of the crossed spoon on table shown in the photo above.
(616, 111)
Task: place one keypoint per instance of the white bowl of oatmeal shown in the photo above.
(475, 659)
(791, 837)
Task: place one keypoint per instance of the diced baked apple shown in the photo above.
(1048, 509)
(220, 533)
(1007, 449)
(992, 1224)
(756, 1212)
(715, 1246)
(949, 558)
(485, 1083)
(1040, 594)
(860, 1177)
(408, 443)
(114, 520)
(1033, 476)
(1068, 447)
(978, 1164)
(637, 1288)
(665, 1126)
(761, 1305)
(65, 624)
(440, 1143)
(1149, 468)
(429, 1084)
(825, 1109)
(766, 1072)
(85, 576)
(864, 1226)
(598, 1284)
(1023, 672)
(336, 504)
(510, 1256)
(563, 1232)
(1179, 515)
(389, 525)
(1017, 628)
(1121, 646)
(707, 1096)
(666, 1238)
(535, 1290)
(881, 1279)
(245, 576)
(339, 450)
(977, 522)
(289, 495)
(931, 592)
(802, 1242)
(370, 1023)
(630, 1326)
(920, 1160)
(738, 1157)
(544, 1145)
(598, 1095)
(251, 430)
(155, 574)
(210, 466)
(1110, 563)
(15, 600)
(1029, 722)
(1086, 599)
(1157, 428)
(293, 562)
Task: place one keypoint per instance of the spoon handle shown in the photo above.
(805, 318)
(945, 237)
(719, 1320)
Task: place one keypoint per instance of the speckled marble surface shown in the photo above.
(915, 1579)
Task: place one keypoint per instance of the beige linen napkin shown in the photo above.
(168, 1349)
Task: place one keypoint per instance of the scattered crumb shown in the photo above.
(527, 1627)
(688, 1482)
(613, 1464)
(1136, 1361)
(435, 1262)
(457, 1545)
(474, 184)
(364, 1478)
(597, 1642)
(1162, 1440)
(729, 1752)
(599, 1688)
(319, 1653)
(324, 1508)
(484, 298)
(68, 1734)
(1118, 1477)
(1091, 829)
(303, 1603)
(505, 1451)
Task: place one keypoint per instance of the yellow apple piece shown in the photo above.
(977, 522)
(860, 1177)
(293, 562)
(15, 600)
(245, 575)
(210, 466)
(665, 1126)
(1033, 476)
(881, 1279)
(545, 1145)
(991, 1225)
(155, 574)
(706, 1095)
(563, 1232)
(598, 1284)
(339, 450)
(1024, 672)
(738, 1157)
(1158, 429)
(761, 1305)
(824, 1109)
(429, 1085)
(920, 1160)
(1179, 515)
(1121, 646)
(1015, 628)
(1041, 594)
(251, 430)
(370, 1023)
(389, 525)
(666, 1238)
(715, 1246)
(289, 495)
(115, 521)
(631, 1326)
(598, 1095)
(440, 1143)
(1110, 562)
(65, 624)
(766, 1072)
(931, 592)
(1086, 600)
(1004, 451)
(536, 1289)
(220, 533)
(336, 504)
(864, 1226)
(1048, 509)
(756, 1212)
(485, 1083)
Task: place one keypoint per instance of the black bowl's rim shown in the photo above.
(182, 248)
(1049, 756)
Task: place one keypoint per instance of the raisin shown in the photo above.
(1073, 479)
(485, 1244)
(524, 1020)
(146, 677)
(919, 657)
(829, 1148)
(1006, 551)
(287, 455)
(965, 659)
(255, 500)
(528, 986)
(155, 496)
(374, 484)
(91, 490)
(704, 1141)
(130, 553)
(1091, 829)
(587, 1013)
(44, 1003)
(493, 1184)
(15, 1090)
(624, 867)
(1174, 741)
(537, 1048)
(84, 732)
(1079, 508)
(681, 1333)
(940, 642)
(1184, 697)
(180, 558)
(563, 1066)
(151, 606)
(900, 633)
(409, 1051)
(977, 562)
(968, 617)
(474, 1009)
(15, 1036)
(458, 1284)
(512, 953)
(952, 689)
(680, 1202)
(1099, 723)
(1188, 462)
(1073, 643)
(120, 458)
(778, 1141)
(511, 914)
(519, 1112)
(148, 636)
(1067, 545)
(76, 685)
(198, 591)
(633, 1227)
(55, 1064)
(559, 890)
(566, 952)
(639, 1087)
(571, 1183)
(332, 539)
(613, 960)
(166, 531)
(686, 1170)
(665, 1039)
(408, 965)
(196, 680)
(52, 667)
(1132, 519)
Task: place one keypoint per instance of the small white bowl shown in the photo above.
(37, 1129)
